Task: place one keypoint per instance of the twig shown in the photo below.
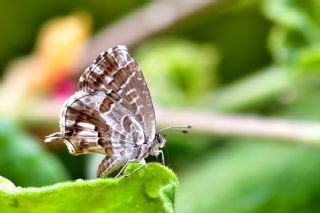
(206, 122)
(241, 125)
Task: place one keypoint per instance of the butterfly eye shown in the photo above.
(160, 138)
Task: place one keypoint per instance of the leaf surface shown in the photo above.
(151, 189)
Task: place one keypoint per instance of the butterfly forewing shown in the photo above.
(116, 73)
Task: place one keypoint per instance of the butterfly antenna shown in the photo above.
(182, 129)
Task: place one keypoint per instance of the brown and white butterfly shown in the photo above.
(112, 113)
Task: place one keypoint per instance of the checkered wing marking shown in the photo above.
(93, 123)
(116, 73)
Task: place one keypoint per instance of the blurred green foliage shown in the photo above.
(295, 35)
(237, 30)
(182, 68)
(24, 161)
(252, 177)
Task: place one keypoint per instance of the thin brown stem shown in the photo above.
(242, 125)
(206, 122)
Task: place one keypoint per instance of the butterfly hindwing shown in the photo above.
(93, 123)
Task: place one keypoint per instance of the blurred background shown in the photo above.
(244, 74)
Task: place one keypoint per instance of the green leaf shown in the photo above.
(151, 189)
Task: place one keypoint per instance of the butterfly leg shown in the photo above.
(160, 152)
(124, 167)
(143, 163)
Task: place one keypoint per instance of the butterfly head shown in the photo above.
(160, 139)
(158, 143)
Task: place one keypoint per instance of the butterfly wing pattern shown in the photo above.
(112, 113)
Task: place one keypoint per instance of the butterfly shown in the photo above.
(112, 114)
